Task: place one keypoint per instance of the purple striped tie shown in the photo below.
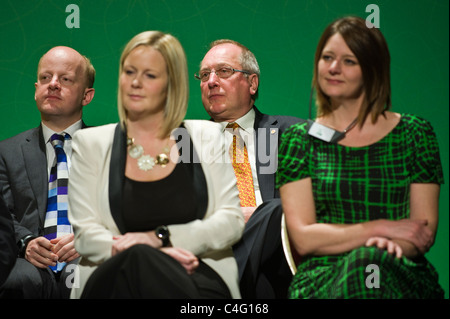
(56, 219)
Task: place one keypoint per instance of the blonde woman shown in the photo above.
(153, 219)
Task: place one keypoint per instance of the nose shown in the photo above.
(335, 67)
(213, 79)
(135, 82)
(54, 83)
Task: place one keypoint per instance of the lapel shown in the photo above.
(194, 167)
(117, 176)
(265, 146)
(33, 151)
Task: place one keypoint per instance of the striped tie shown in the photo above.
(242, 170)
(56, 220)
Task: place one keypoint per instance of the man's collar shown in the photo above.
(47, 132)
(245, 122)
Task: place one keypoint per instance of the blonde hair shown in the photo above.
(178, 83)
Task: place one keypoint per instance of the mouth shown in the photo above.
(215, 96)
(135, 96)
(53, 97)
(334, 81)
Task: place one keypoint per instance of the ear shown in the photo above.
(88, 96)
(35, 88)
(254, 83)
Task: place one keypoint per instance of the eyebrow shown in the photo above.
(345, 55)
(217, 66)
(135, 68)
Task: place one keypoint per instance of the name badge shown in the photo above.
(324, 133)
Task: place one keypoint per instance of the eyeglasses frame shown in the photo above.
(215, 71)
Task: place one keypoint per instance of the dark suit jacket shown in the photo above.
(8, 247)
(268, 129)
(263, 270)
(24, 180)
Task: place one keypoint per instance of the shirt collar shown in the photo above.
(245, 122)
(47, 132)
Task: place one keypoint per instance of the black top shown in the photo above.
(171, 200)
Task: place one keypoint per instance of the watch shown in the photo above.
(162, 232)
(23, 244)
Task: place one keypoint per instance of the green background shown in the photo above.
(283, 35)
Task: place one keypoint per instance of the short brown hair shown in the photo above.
(370, 48)
(89, 72)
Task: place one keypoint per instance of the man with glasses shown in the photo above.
(229, 79)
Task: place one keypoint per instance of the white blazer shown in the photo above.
(98, 169)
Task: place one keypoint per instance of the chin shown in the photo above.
(216, 108)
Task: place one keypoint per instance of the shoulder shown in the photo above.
(297, 129)
(296, 137)
(21, 137)
(280, 121)
(201, 124)
(202, 129)
(96, 132)
(207, 138)
(287, 121)
(416, 125)
(413, 120)
(97, 137)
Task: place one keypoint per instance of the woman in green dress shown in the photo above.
(360, 185)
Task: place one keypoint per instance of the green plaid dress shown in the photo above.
(358, 184)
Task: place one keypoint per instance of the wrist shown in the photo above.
(23, 243)
(163, 234)
(381, 228)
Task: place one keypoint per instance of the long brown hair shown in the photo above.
(370, 48)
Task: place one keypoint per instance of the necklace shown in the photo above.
(146, 162)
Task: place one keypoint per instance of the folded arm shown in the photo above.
(414, 235)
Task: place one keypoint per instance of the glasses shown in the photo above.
(223, 73)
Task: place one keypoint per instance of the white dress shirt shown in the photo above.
(47, 132)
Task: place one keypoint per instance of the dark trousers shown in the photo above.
(263, 269)
(145, 272)
(27, 281)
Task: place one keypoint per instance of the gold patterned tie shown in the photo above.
(239, 155)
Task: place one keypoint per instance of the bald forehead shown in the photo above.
(226, 53)
(65, 57)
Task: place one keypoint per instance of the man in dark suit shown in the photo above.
(229, 80)
(64, 86)
(8, 248)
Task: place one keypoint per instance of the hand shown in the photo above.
(386, 244)
(414, 231)
(127, 240)
(64, 247)
(247, 212)
(187, 259)
(39, 253)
